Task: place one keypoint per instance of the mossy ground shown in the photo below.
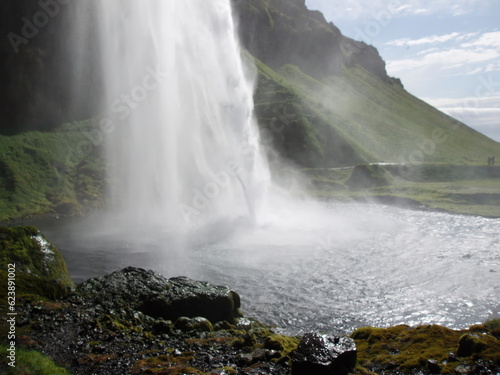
(403, 348)
(29, 362)
(58, 172)
(473, 190)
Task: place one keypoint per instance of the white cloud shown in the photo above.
(427, 51)
(492, 67)
(365, 9)
(446, 59)
(433, 39)
(468, 102)
(474, 71)
(481, 49)
(491, 39)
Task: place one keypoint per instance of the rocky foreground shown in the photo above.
(136, 321)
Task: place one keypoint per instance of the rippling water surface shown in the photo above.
(357, 265)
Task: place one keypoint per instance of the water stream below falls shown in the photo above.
(367, 265)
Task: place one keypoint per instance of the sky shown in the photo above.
(445, 52)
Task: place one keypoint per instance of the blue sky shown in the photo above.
(445, 52)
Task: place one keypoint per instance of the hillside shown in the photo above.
(342, 107)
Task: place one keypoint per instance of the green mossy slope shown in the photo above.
(56, 172)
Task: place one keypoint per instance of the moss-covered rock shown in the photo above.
(428, 349)
(479, 345)
(197, 324)
(33, 264)
(368, 176)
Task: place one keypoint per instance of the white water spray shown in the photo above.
(185, 148)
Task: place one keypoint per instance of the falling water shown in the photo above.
(184, 149)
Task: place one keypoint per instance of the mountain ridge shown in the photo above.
(344, 87)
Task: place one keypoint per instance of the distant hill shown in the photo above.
(341, 107)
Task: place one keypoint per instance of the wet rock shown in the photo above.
(36, 264)
(452, 357)
(264, 355)
(462, 370)
(433, 366)
(197, 324)
(324, 355)
(158, 297)
(475, 343)
(161, 326)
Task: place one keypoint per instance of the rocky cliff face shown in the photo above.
(280, 32)
(36, 75)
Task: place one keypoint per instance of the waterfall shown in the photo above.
(184, 146)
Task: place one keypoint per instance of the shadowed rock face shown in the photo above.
(280, 32)
(322, 354)
(158, 297)
(286, 32)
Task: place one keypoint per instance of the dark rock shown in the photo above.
(433, 366)
(324, 355)
(368, 176)
(264, 355)
(273, 344)
(472, 343)
(462, 370)
(161, 326)
(158, 297)
(223, 325)
(452, 357)
(247, 340)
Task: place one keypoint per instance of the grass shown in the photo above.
(30, 362)
(448, 188)
(387, 123)
(410, 348)
(57, 172)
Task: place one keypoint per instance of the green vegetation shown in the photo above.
(59, 172)
(383, 122)
(39, 267)
(461, 189)
(404, 348)
(30, 362)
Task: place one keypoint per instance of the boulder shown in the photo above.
(197, 324)
(324, 355)
(368, 176)
(158, 297)
(32, 264)
(478, 343)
